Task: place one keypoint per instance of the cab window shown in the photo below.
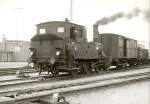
(60, 29)
(42, 31)
(80, 33)
(73, 33)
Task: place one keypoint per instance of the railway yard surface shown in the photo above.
(130, 85)
(12, 64)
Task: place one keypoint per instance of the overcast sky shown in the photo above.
(21, 16)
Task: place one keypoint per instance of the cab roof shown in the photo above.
(59, 22)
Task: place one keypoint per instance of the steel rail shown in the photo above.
(74, 86)
(52, 84)
(8, 80)
(17, 81)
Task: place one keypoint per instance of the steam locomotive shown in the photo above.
(62, 47)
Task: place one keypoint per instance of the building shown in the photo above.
(14, 50)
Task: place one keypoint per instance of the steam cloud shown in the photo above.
(136, 11)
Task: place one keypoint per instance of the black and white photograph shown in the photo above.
(74, 51)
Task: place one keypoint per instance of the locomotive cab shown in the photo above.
(51, 43)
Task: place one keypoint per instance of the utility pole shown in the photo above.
(149, 42)
(71, 10)
(4, 41)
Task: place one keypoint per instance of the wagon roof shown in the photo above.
(45, 37)
(116, 35)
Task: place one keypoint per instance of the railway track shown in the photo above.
(37, 88)
(13, 80)
(12, 71)
(34, 77)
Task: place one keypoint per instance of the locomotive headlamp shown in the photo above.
(75, 48)
(97, 47)
(57, 53)
(31, 53)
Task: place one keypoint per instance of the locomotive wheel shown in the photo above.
(48, 70)
(54, 70)
(73, 72)
(40, 69)
(85, 68)
(118, 67)
(97, 70)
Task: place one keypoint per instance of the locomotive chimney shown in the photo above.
(95, 31)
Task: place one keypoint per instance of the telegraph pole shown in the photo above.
(149, 42)
(71, 10)
(4, 41)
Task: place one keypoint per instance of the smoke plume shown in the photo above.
(134, 13)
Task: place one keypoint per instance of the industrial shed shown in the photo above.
(14, 50)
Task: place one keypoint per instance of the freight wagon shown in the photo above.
(143, 55)
(123, 50)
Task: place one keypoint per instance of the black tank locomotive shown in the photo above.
(63, 47)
